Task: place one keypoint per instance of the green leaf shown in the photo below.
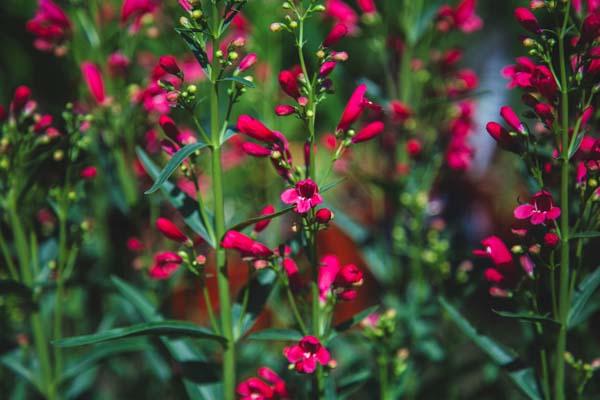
(582, 294)
(229, 133)
(328, 186)
(157, 328)
(241, 81)
(349, 323)
(186, 206)
(260, 287)
(276, 334)
(252, 221)
(12, 361)
(180, 350)
(350, 383)
(174, 163)
(522, 376)
(527, 317)
(194, 46)
(575, 143)
(585, 235)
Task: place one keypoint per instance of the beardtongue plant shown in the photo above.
(545, 274)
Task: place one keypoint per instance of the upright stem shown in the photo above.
(221, 257)
(382, 363)
(563, 298)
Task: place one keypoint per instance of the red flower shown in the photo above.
(283, 110)
(354, 108)
(170, 230)
(539, 209)
(340, 281)
(169, 64)
(248, 61)
(338, 31)
(400, 111)
(136, 9)
(414, 147)
(496, 251)
(165, 265)
(93, 78)
(503, 137)
(527, 19)
(590, 29)
(245, 245)
(324, 215)
(305, 195)
(327, 68)
(51, 27)
(118, 64)
(462, 17)
(512, 119)
(255, 129)
(255, 150)
(262, 225)
(288, 80)
(520, 73)
(270, 387)
(367, 6)
(341, 12)
(305, 355)
(88, 173)
(368, 132)
(20, 98)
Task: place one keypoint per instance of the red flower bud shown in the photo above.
(170, 230)
(169, 64)
(327, 68)
(283, 109)
(551, 239)
(20, 98)
(512, 119)
(93, 78)
(323, 215)
(368, 132)
(527, 19)
(414, 147)
(354, 108)
(43, 123)
(261, 225)
(335, 35)
(255, 129)
(255, 150)
(288, 80)
(247, 62)
(88, 173)
(245, 245)
(168, 126)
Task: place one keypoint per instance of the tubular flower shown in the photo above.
(50, 26)
(169, 64)
(400, 111)
(337, 280)
(527, 19)
(539, 209)
(169, 128)
(283, 110)
(354, 108)
(512, 119)
(20, 99)
(165, 265)
(247, 62)
(336, 34)
(496, 251)
(247, 246)
(307, 354)
(305, 195)
(255, 129)
(462, 17)
(262, 225)
(503, 273)
(93, 78)
(288, 80)
(367, 6)
(170, 230)
(341, 12)
(368, 132)
(269, 386)
(88, 173)
(504, 139)
(136, 9)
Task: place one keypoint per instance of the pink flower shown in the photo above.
(327, 68)
(262, 225)
(512, 119)
(305, 195)
(520, 73)
(51, 27)
(400, 111)
(367, 6)
(118, 64)
(245, 245)
(288, 80)
(269, 387)
(527, 19)
(307, 354)
(136, 9)
(93, 78)
(539, 209)
(503, 137)
(283, 110)
(462, 17)
(186, 5)
(503, 273)
(88, 173)
(255, 150)
(343, 13)
(248, 61)
(590, 29)
(165, 265)
(134, 244)
(20, 98)
(368, 132)
(496, 251)
(170, 230)
(414, 147)
(337, 280)
(169, 64)
(255, 129)
(336, 34)
(354, 108)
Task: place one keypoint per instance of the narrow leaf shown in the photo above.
(158, 328)
(585, 235)
(575, 143)
(582, 294)
(194, 46)
(289, 335)
(174, 163)
(241, 81)
(522, 376)
(186, 206)
(260, 287)
(349, 323)
(252, 221)
(527, 317)
(12, 361)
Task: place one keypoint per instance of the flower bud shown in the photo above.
(551, 239)
(284, 110)
(323, 215)
(169, 64)
(170, 230)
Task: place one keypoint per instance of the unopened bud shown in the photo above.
(293, 24)
(275, 27)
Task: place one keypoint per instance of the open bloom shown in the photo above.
(50, 26)
(539, 209)
(247, 246)
(165, 265)
(462, 17)
(305, 195)
(269, 386)
(307, 354)
(95, 83)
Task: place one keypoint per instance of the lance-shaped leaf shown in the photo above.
(241, 81)
(193, 44)
(276, 334)
(522, 376)
(585, 235)
(12, 360)
(252, 221)
(157, 328)
(174, 163)
(186, 206)
(582, 294)
(527, 317)
(257, 291)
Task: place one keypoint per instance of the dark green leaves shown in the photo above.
(289, 335)
(241, 81)
(193, 44)
(186, 206)
(575, 143)
(252, 221)
(527, 317)
(585, 235)
(523, 376)
(259, 289)
(157, 328)
(174, 163)
(582, 294)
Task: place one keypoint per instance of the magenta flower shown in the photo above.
(495, 250)
(93, 78)
(512, 119)
(367, 6)
(136, 9)
(21, 97)
(539, 209)
(462, 17)
(247, 246)
(336, 34)
(262, 225)
(527, 19)
(269, 386)
(255, 129)
(368, 132)
(165, 265)
(354, 108)
(341, 281)
(170, 230)
(288, 80)
(341, 12)
(307, 354)
(305, 195)
(247, 62)
(50, 26)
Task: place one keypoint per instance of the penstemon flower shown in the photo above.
(307, 354)
(304, 196)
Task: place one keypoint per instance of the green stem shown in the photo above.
(382, 363)
(294, 307)
(563, 298)
(12, 269)
(209, 308)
